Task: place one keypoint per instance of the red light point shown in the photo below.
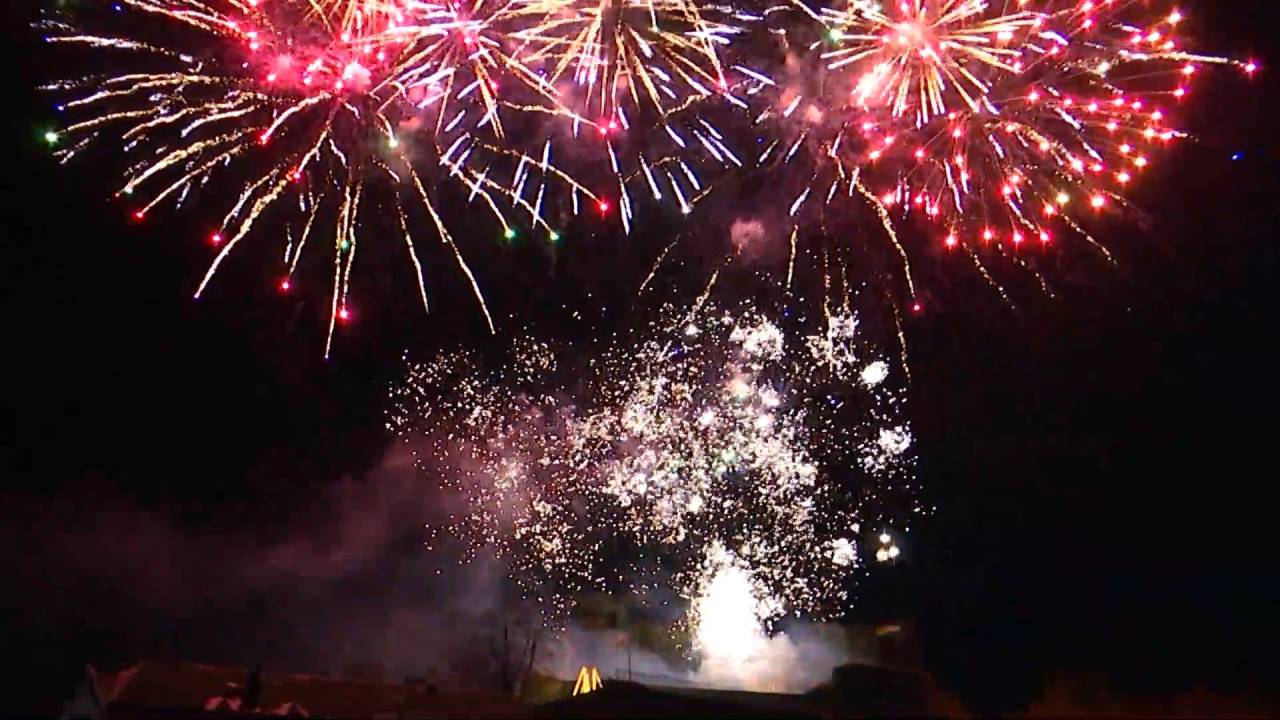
(344, 314)
(284, 285)
(215, 238)
(917, 308)
(604, 206)
(140, 214)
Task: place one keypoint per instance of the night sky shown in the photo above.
(1100, 460)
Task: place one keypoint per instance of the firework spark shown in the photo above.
(641, 75)
(997, 126)
(922, 51)
(326, 114)
(658, 53)
(717, 430)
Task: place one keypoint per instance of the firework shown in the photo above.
(325, 114)
(726, 612)
(921, 52)
(989, 128)
(642, 78)
(658, 53)
(997, 125)
(717, 434)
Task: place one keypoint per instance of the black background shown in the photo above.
(1101, 461)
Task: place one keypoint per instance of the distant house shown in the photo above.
(192, 690)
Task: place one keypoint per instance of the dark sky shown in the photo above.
(1100, 460)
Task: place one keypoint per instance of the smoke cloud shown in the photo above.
(345, 581)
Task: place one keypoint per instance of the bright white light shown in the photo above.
(842, 552)
(729, 630)
(895, 441)
(875, 373)
(763, 340)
